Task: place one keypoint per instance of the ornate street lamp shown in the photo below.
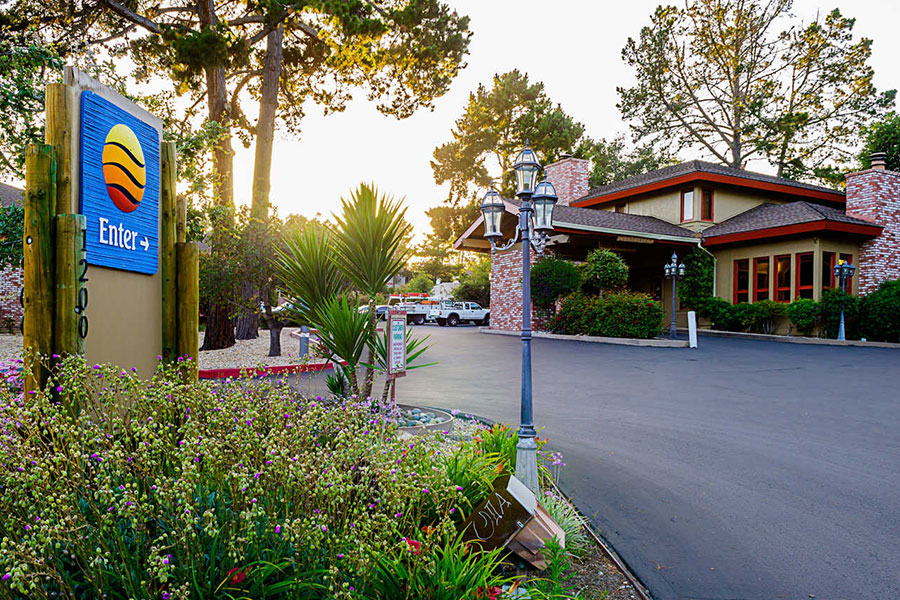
(535, 224)
(842, 271)
(673, 271)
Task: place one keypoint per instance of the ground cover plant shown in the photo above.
(115, 487)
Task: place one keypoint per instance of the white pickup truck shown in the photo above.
(454, 313)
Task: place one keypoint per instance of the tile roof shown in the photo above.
(698, 166)
(10, 195)
(766, 216)
(606, 219)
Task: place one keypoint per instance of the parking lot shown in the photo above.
(741, 470)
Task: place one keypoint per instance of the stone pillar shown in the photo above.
(569, 176)
(506, 291)
(874, 195)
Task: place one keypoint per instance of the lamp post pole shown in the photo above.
(673, 271)
(843, 270)
(526, 450)
(535, 223)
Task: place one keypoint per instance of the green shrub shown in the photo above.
(622, 314)
(765, 315)
(552, 278)
(420, 284)
(475, 286)
(804, 315)
(195, 491)
(603, 270)
(830, 313)
(880, 313)
(569, 520)
(696, 287)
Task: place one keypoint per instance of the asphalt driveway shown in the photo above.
(742, 470)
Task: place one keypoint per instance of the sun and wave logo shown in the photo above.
(123, 168)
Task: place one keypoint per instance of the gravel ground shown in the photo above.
(245, 353)
(252, 353)
(10, 346)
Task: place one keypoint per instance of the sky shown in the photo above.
(573, 47)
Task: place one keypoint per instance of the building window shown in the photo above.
(620, 207)
(805, 272)
(706, 205)
(742, 280)
(828, 262)
(760, 278)
(847, 258)
(687, 205)
(783, 278)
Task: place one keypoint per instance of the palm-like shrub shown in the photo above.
(345, 333)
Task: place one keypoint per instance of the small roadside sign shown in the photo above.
(396, 343)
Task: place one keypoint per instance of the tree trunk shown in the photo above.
(275, 325)
(219, 111)
(265, 125)
(370, 370)
(247, 324)
(219, 329)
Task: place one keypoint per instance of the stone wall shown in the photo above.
(874, 195)
(10, 284)
(506, 291)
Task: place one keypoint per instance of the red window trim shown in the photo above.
(831, 262)
(712, 205)
(781, 289)
(734, 297)
(683, 192)
(756, 291)
(811, 286)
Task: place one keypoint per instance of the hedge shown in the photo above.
(552, 278)
(621, 314)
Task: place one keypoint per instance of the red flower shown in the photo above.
(237, 575)
(414, 546)
(491, 593)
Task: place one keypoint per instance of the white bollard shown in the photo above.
(692, 328)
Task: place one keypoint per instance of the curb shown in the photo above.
(762, 337)
(262, 372)
(653, 343)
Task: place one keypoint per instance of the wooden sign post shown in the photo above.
(101, 194)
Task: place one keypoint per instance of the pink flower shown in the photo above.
(414, 546)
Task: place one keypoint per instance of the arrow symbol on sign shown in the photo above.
(145, 243)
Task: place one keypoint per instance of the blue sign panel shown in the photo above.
(119, 187)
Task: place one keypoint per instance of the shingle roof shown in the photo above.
(10, 195)
(698, 166)
(607, 219)
(766, 216)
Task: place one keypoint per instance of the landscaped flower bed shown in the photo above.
(240, 489)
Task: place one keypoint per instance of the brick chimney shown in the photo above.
(569, 175)
(874, 195)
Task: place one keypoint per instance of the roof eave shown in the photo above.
(822, 195)
(798, 228)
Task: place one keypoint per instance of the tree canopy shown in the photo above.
(882, 136)
(737, 80)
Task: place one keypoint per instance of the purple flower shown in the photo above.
(6, 577)
(166, 595)
(325, 528)
(278, 529)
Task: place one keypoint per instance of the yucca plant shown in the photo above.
(306, 272)
(368, 247)
(345, 333)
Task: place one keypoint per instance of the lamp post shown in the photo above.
(673, 271)
(843, 270)
(535, 223)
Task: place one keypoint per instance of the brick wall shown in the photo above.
(570, 178)
(506, 291)
(874, 195)
(10, 284)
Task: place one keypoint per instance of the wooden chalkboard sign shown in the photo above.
(512, 517)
